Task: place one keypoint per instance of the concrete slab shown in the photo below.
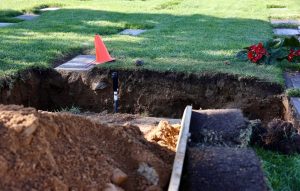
(27, 17)
(79, 63)
(286, 32)
(285, 21)
(132, 32)
(5, 24)
(50, 9)
(295, 101)
(292, 79)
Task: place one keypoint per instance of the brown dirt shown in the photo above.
(48, 90)
(58, 151)
(278, 135)
(165, 135)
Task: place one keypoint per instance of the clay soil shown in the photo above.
(59, 151)
(51, 90)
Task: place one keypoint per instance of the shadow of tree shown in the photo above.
(175, 42)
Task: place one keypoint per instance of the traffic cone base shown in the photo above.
(102, 55)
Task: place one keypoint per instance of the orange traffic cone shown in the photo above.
(102, 55)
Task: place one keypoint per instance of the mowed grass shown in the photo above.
(282, 171)
(184, 35)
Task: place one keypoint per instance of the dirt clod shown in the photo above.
(59, 151)
(165, 135)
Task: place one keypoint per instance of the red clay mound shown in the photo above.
(59, 151)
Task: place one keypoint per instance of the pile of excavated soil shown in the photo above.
(165, 135)
(58, 151)
(278, 135)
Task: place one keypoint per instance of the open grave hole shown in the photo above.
(157, 94)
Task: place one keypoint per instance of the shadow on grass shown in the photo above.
(193, 43)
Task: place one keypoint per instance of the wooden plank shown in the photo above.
(180, 150)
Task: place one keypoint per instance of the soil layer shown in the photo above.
(138, 91)
(58, 151)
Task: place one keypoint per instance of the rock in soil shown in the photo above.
(223, 168)
(118, 177)
(59, 151)
(139, 62)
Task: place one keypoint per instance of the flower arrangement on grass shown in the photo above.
(271, 51)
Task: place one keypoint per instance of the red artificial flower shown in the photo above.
(256, 52)
(292, 54)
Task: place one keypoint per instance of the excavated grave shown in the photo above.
(93, 91)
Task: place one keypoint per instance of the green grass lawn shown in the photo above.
(283, 171)
(184, 35)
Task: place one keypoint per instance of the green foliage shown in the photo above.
(73, 109)
(282, 171)
(277, 50)
(284, 65)
(293, 92)
(10, 20)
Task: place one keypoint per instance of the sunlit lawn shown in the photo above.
(184, 35)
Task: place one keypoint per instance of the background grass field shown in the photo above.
(184, 35)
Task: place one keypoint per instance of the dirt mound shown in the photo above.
(279, 136)
(58, 151)
(165, 135)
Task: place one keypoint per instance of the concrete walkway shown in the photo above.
(292, 80)
(78, 64)
(5, 24)
(286, 31)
